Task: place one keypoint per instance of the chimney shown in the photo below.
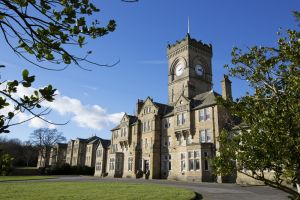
(139, 105)
(226, 88)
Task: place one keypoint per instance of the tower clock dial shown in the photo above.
(179, 68)
(199, 70)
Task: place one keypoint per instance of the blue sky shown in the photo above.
(93, 101)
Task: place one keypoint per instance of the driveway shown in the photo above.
(206, 190)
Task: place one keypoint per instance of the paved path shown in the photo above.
(207, 191)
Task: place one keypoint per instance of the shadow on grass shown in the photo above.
(197, 196)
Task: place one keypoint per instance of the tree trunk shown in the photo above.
(298, 187)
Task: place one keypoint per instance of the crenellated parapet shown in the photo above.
(188, 42)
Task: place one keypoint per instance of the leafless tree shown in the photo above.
(44, 139)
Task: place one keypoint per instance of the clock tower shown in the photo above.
(189, 68)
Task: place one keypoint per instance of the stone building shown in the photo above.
(90, 156)
(175, 140)
(69, 156)
(101, 157)
(58, 154)
(76, 151)
(43, 157)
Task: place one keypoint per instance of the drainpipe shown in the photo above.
(213, 120)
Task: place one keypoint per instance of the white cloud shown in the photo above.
(88, 116)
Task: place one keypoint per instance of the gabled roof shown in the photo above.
(116, 127)
(132, 119)
(105, 143)
(182, 97)
(81, 139)
(92, 139)
(95, 141)
(163, 109)
(205, 99)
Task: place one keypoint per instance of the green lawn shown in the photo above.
(90, 191)
(23, 178)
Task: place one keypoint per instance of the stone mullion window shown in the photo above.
(194, 160)
(111, 164)
(205, 135)
(182, 162)
(204, 114)
(130, 163)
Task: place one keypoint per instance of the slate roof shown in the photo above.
(62, 144)
(163, 109)
(132, 119)
(116, 127)
(205, 99)
(105, 143)
(95, 141)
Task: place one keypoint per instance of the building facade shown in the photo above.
(58, 154)
(101, 157)
(175, 140)
(77, 150)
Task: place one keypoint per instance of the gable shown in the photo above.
(148, 107)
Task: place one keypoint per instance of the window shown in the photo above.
(194, 160)
(205, 161)
(169, 140)
(205, 136)
(99, 153)
(144, 127)
(148, 126)
(204, 114)
(98, 166)
(130, 163)
(181, 118)
(164, 163)
(170, 163)
(111, 164)
(123, 131)
(182, 161)
(167, 123)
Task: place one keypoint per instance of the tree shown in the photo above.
(44, 139)
(5, 164)
(269, 137)
(45, 29)
(29, 154)
(24, 153)
(12, 104)
(48, 30)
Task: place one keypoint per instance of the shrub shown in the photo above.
(5, 164)
(66, 169)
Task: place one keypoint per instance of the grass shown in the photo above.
(90, 191)
(23, 178)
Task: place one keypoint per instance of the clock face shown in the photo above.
(199, 70)
(179, 68)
